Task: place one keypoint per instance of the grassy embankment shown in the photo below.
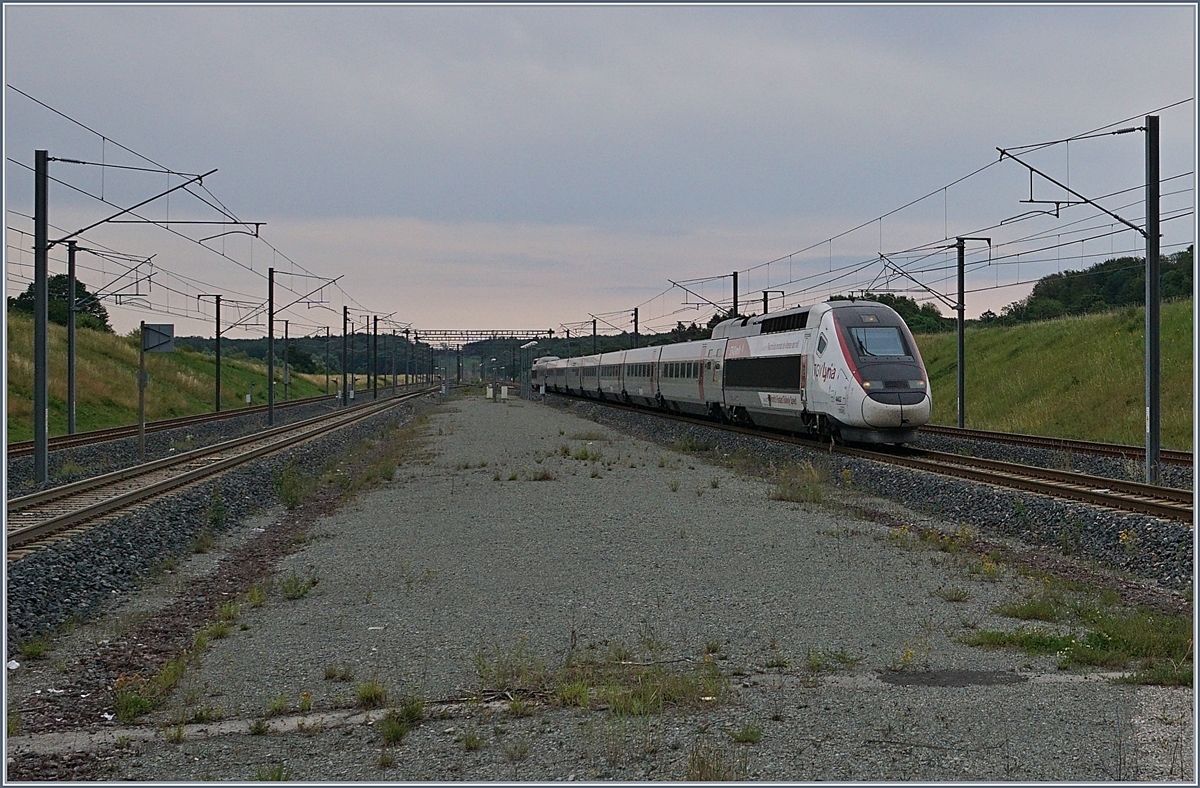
(1078, 377)
(1074, 377)
(181, 383)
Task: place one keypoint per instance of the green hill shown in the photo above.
(1074, 377)
(181, 383)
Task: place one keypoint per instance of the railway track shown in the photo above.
(1138, 453)
(1168, 503)
(35, 517)
(25, 448)
(1163, 502)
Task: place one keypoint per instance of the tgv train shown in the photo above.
(849, 370)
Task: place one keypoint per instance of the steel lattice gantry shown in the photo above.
(467, 336)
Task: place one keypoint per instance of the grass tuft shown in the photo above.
(371, 694)
(799, 484)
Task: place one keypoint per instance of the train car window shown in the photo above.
(708, 365)
(882, 341)
(821, 344)
(775, 372)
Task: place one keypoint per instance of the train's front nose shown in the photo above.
(899, 400)
(883, 357)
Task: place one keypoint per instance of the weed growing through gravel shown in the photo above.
(206, 714)
(395, 444)
(259, 728)
(952, 593)
(174, 734)
(276, 773)
(13, 722)
(339, 673)
(1157, 648)
(371, 694)
(68, 470)
(708, 762)
(801, 483)
(294, 484)
(690, 445)
(397, 723)
(257, 595)
(218, 630)
(277, 704)
(516, 751)
(1039, 609)
(216, 510)
(293, 587)
(387, 759)
(673, 485)
(306, 702)
(204, 542)
(625, 686)
(134, 695)
(543, 476)
(586, 454)
(470, 740)
(34, 648)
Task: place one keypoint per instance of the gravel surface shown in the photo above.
(1158, 550)
(75, 578)
(833, 634)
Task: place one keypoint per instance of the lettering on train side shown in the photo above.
(825, 372)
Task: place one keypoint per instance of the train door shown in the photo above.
(710, 377)
(804, 379)
(817, 388)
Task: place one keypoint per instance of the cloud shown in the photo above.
(474, 165)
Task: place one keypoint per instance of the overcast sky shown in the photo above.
(524, 167)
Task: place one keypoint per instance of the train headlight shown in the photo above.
(916, 384)
(868, 385)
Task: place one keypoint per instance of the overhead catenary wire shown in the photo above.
(213, 202)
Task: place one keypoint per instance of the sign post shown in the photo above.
(156, 338)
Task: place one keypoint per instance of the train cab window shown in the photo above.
(821, 344)
(881, 341)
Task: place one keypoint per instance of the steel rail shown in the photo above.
(24, 448)
(1164, 502)
(154, 478)
(1169, 456)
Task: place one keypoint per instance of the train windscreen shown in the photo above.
(878, 341)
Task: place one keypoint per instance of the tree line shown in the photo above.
(1114, 283)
